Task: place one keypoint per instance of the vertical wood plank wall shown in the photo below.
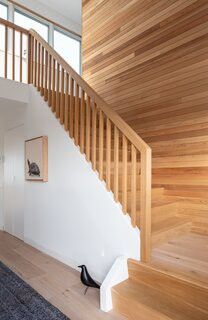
(149, 61)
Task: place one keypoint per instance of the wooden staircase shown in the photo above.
(164, 285)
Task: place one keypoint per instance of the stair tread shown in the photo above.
(162, 303)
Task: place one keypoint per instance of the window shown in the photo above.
(3, 11)
(65, 43)
(26, 22)
(68, 48)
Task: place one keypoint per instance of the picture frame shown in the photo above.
(36, 159)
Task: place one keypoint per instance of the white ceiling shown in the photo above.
(71, 9)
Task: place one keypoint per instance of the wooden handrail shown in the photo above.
(121, 157)
(139, 143)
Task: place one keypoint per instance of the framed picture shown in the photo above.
(36, 159)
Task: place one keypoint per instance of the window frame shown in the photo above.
(74, 37)
(32, 17)
(52, 27)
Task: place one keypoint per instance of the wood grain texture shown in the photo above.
(55, 281)
(151, 293)
(184, 256)
(148, 61)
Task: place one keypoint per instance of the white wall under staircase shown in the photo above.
(72, 217)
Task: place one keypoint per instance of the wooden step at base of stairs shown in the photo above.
(150, 294)
(169, 228)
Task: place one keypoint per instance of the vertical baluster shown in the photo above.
(101, 124)
(108, 154)
(71, 116)
(35, 63)
(88, 125)
(76, 115)
(6, 52)
(133, 185)
(57, 91)
(62, 97)
(46, 77)
(116, 162)
(94, 135)
(13, 54)
(54, 86)
(49, 81)
(39, 65)
(82, 121)
(42, 72)
(20, 57)
(66, 110)
(124, 174)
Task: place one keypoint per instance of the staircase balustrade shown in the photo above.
(121, 158)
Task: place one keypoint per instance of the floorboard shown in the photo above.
(56, 282)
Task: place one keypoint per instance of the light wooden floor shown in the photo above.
(56, 282)
(185, 255)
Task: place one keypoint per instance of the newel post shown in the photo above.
(145, 216)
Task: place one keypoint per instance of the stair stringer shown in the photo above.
(79, 223)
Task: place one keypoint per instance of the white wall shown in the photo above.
(72, 217)
(14, 91)
(14, 98)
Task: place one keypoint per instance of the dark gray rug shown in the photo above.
(18, 301)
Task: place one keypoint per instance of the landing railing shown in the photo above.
(121, 158)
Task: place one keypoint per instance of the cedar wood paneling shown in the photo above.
(149, 60)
